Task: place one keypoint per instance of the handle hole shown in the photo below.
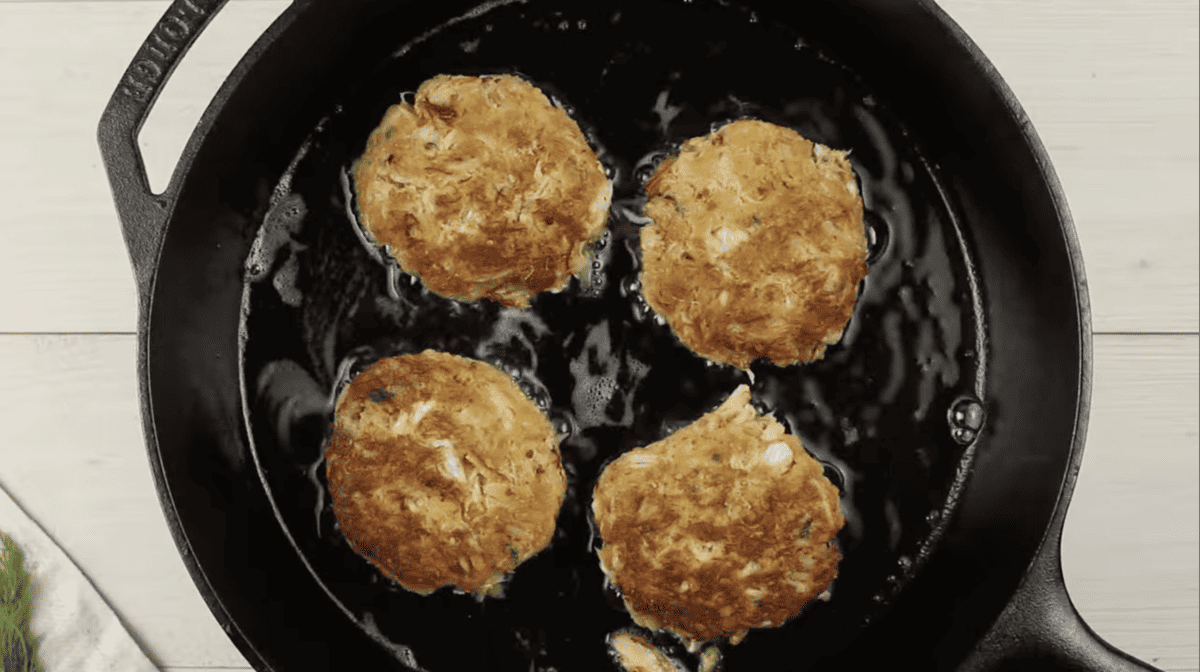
(196, 80)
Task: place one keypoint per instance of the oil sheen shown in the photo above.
(891, 411)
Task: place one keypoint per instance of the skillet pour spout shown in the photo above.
(935, 134)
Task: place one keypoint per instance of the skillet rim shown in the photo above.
(269, 40)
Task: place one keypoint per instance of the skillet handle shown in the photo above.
(144, 214)
(1041, 630)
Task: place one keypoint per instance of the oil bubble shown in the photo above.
(646, 166)
(536, 393)
(641, 312)
(643, 173)
(966, 419)
(563, 427)
(877, 236)
(967, 412)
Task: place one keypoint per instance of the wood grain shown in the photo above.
(60, 240)
(1110, 86)
(75, 460)
(1130, 543)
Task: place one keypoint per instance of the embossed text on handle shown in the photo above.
(171, 33)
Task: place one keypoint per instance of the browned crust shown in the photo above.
(395, 492)
(707, 537)
(483, 188)
(757, 246)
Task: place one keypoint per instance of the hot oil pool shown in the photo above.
(892, 410)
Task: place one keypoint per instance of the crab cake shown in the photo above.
(443, 472)
(483, 188)
(723, 526)
(757, 245)
(636, 654)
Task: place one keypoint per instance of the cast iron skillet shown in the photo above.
(953, 561)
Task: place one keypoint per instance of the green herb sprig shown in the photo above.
(18, 646)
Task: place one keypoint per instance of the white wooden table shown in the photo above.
(1111, 86)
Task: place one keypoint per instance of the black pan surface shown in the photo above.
(951, 415)
(889, 410)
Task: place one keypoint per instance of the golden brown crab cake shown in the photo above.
(443, 472)
(483, 188)
(757, 244)
(723, 526)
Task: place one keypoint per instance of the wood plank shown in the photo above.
(1130, 544)
(1142, 273)
(1110, 85)
(218, 49)
(75, 459)
(60, 240)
